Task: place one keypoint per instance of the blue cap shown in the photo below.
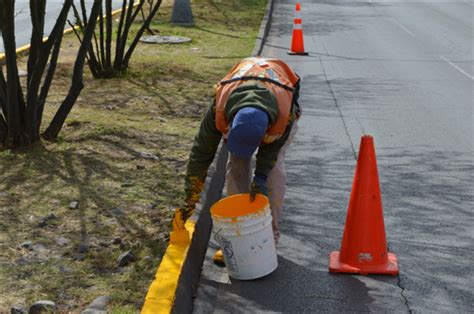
(247, 131)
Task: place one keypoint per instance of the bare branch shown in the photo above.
(139, 34)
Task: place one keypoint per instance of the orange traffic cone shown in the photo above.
(364, 247)
(297, 44)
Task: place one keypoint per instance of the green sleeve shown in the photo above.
(202, 153)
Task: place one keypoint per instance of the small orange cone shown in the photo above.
(297, 44)
(364, 247)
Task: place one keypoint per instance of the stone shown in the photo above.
(125, 259)
(74, 205)
(17, 310)
(117, 240)
(93, 311)
(100, 303)
(62, 241)
(146, 155)
(27, 245)
(39, 248)
(3, 194)
(118, 211)
(42, 306)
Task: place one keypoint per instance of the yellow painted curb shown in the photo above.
(162, 291)
(26, 47)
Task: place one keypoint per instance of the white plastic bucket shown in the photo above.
(244, 232)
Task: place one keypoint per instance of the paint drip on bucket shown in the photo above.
(245, 236)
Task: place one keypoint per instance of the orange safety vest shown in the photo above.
(275, 75)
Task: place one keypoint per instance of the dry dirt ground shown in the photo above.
(121, 155)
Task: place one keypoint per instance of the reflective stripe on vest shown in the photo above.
(273, 74)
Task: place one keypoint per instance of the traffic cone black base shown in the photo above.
(297, 53)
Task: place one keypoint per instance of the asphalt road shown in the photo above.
(53, 7)
(403, 73)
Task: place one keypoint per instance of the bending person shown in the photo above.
(255, 110)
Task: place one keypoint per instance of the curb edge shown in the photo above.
(264, 28)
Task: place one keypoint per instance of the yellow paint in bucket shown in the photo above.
(239, 205)
(244, 232)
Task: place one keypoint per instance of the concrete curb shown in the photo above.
(191, 270)
(264, 28)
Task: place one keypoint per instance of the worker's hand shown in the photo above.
(181, 215)
(259, 186)
(178, 221)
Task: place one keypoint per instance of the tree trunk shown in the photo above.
(19, 121)
(77, 78)
(108, 34)
(15, 136)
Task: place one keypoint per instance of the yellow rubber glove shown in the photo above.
(179, 235)
(178, 221)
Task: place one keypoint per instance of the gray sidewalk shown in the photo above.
(384, 69)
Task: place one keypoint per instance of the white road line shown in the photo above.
(403, 27)
(457, 68)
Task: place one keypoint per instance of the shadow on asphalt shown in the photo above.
(300, 289)
(293, 288)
